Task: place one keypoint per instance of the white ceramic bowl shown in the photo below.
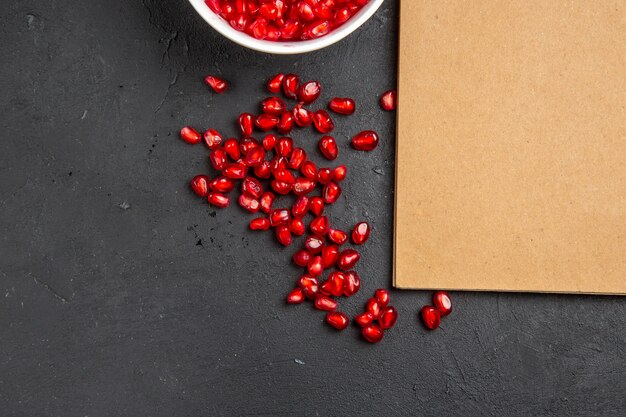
(280, 47)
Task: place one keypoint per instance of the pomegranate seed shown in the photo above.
(337, 236)
(200, 185)
(323, 11)
(231, 146)
(218, 199)
(283, 235)
(218, 84)
(279, 163)
(266, 201)
(297, 227)
(338, 320)
(273, 34)
(290, 85)
(212, 138)
(388, 318)
(328, 147)
(285, 124)
(319, 226)
(442, 303)
(255, 156)
(316, 204)
(269, 142)
(300, 207)
(284, 146)
(222, 184)
(290, 29)
(347, 259)
(430, 317)
(360, 233)
(331, 193)
(342, 15)
(316, 29)
(342, 105)
(334, 284)
(309, 170)
(309, 92)
(302, 257)
(246, 124)
(303, 186)
(260, 223)
(330, 253)
(263, 170)
(297, 158)
(246, 144)
(302, 116)
(266, 122)
(279, 217)
(364, 319)
(281, 187)
(190, 135)
(296, 296)
(218, 158)
(214, 5)
(269, 11)
(315, 267)
(322, 121)
(284, 175)
(239, 22)
(352, 283)
(249, 203)
(314, 244)
(305, 10)
(339, 173)
(388, 100)
(274, 84)
(234, 170)
(325, 303)
(309, 286)
(382, 296)
(366, 140)
(324, 175)
(374, 307)
(372, 333)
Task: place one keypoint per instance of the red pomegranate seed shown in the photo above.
(252, 187)
(388, 100)
(342, 105)
(309, 170)
(338, 320)
(300, 207)
(266, 122)
(313, 244)
(269, 141)
(325, 303)
(285, 124)
(319, 226)
(382, 296)
(323, 10)
(352, 283)
(219, 85)
(372, 333)
(347, 259)
(249, 203)
(281, 187)
(322, 121)
(305, 10)
(279, 163)
(212, 138)
(430, 317)
(284, 175)
(274, 84)
(218, 199)
(255, 156)
(246, 144)
(364, 319)
(342, 15)
(279, 217)
(331, 192)
(290, 85)
(273, 106)
(334, 284)
(214, 5)
(283, 235)
(234, 170)
(269, 11)
(388, 318)
(297, 227)
(222, 184)
(296, 296)
(442, 303)
(218, 158)
(339, 173)
(302, 257)
(316, 29)
(360, 233)
(246, 124)
(273, 34)
(303, 117)
(309, 286)
(328, 147)
(366, 140)
(374, 307)
(231, 146)
(330, 253)
(260, 223)
(200, 185)
(297, 158)
(290, 29)
(324, 175)
(337, 236)
(190, 135)
(239, 22)
(284, 146)
(263, 170)
(315, 267)
(266, 201)
(303, 186)
(316, 205)
(309, 92)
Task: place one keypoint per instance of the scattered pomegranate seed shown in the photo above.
(442, 302)
(324, 175)
(339, 173)
(374, 307)
(190, 135)
(330, 254)
(255, 156)
(334, 284)
(297, 227)
(252, 187)
(222, 184)
(309, 92)
(360, 233)
(266, 201)
(316, 205)
(322, 121)
(319, 226)
(364, 319)
(388, 318)
(218, 199)
(430, 317)
(338, 320)
(212, 138)
(315, 267)
(382, 296)
(328, 147)
(366, 140)
(266, 122)
(309, 170)
(297, 158)
(325, 303)
(296, 296)
(281, 187)
(314, 244)
(309, 286)
(302, 116)
(260, 223)
(303, 186)
(285, 124)
(218, 84)
(231, 146)
(275, 83)
(290, 85)
(342, 105)
(337, 236)
(234, 170)
(352, 283)
(331, 192)
(300, 207)
(279, 217)
(283, 235)
(302, 257)
(200, 185)
(249, 203)
(246, 124)
(388, 100)
(347, 259)
(263, 170)
(284, 146)
(372, 333)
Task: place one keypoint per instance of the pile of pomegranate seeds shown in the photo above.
(378, 317)
(286, 20)
(442, 306)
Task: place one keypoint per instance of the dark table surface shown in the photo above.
(123, 294)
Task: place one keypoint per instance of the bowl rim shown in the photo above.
(285, 48)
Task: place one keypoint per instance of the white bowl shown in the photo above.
(280, 47)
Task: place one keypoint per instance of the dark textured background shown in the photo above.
(122, 294)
